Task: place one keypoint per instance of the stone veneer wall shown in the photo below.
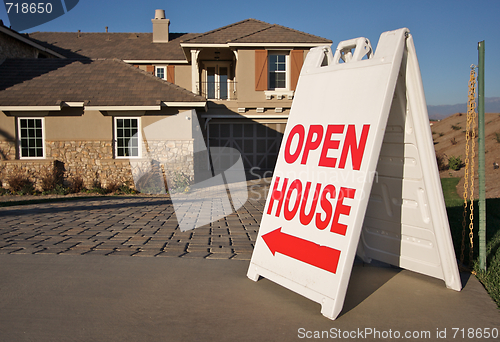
(172, 159)
(7, 150)
(80, 158)
(176, 156)
(32, 169)
(94, 162)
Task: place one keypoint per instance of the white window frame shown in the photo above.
(286, 72)
(139, 136)
(19, 137)
(157, 67)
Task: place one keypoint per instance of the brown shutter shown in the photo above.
(150, 68)
(260, 70)
(171, 73)
(297, 57)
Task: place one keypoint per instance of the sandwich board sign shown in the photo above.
(356, 174)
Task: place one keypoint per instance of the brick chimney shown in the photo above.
(160, 27)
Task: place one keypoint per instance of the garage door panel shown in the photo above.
(261, 145)
(248, 147)
(258, 143)
(248, 129)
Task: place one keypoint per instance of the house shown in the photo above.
(239, 80)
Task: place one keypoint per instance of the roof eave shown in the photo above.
(267, 45)
(122, 108)
(29, 108)
(156, 61)
(197, 104)
(186, 46)
(194, 104)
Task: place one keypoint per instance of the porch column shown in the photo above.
(195, 72)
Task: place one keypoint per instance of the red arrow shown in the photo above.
(309, 252)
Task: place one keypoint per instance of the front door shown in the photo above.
(216, 83)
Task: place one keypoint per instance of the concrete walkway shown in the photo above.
(84, 271)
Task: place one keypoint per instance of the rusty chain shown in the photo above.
(470, 136)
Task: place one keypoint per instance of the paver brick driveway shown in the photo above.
(134, 226)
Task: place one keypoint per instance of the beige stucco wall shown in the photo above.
(174, 127)
(183, 76)
(92, 125)
(245, 78)
(7, 127)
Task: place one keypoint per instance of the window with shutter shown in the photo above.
(160, 72)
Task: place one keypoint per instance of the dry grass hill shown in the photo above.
(449, 141)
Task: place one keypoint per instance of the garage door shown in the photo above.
(258, 144)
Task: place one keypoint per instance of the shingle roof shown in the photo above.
(140, 46)
(125, 46)
(227, 33)
(46, 82)
(254, 31)
(280, 34)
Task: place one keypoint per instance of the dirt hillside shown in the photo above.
(449, 140)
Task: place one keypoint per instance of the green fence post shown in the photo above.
(482, 197)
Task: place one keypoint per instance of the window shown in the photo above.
(127, 137)
(31, 138)
(277, 72)
(160, 72)
(277, 66)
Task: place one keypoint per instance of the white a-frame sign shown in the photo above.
(356, 171)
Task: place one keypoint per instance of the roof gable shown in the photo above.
(47, 82)
(228, 33)
(280, 34)
(254, 31)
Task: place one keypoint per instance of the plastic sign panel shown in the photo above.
(322, 184)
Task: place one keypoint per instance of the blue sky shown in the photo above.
(446, 33)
